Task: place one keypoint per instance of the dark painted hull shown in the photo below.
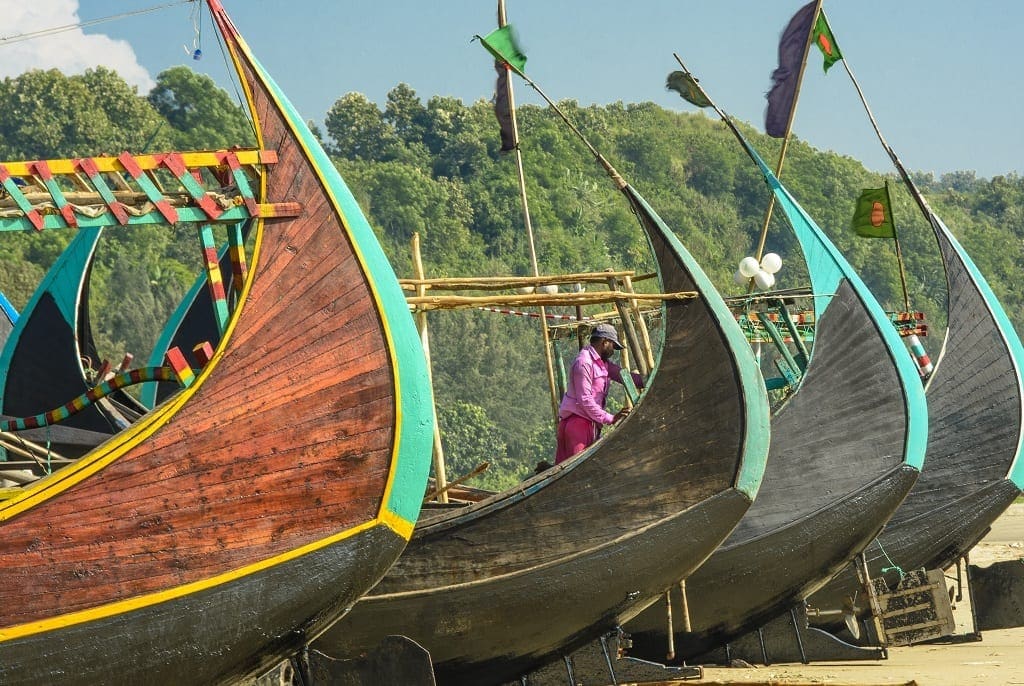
(222, 530)
(779, 578)
(974, 405)
(826, 493)
(500, 588)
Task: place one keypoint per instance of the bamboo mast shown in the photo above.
(555, 400)
(616, 178)
(440, 474)
(789, 129)
(915, 193)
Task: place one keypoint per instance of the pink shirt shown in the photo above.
(587, 387)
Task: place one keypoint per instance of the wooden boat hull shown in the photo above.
(172, 642)
(827, 492)
(505, 585)
(728, 594)
(973, 467)
(499, 616)
(302, 446)
(852, 435)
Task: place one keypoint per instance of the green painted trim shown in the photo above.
(756, 440)
(1009, 334)
(186, 215)
(416, 408)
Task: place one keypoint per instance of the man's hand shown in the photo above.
(621, 414)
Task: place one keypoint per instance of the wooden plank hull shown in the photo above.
(728, 594)
(303, 445)
(852, 436)
(827, 492)
(497, 589)
(973, 470)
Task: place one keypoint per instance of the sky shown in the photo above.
(943, 78)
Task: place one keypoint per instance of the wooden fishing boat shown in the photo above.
(828, 488)
(192, 322)
(975, 406)
(43, 363)
(495, 589)
(242, 516)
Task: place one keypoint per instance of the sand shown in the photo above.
(995, 660)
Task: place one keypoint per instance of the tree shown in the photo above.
(201, 115)
(358, 129)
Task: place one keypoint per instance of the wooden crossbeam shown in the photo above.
(213, 278)
(11, 186)
(87, 165)
(192, 160)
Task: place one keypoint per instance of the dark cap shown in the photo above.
(607, 331)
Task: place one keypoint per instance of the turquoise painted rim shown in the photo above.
(64, 282)
(827, 268)
(416, 407)
(1009, 334)
(757, 438)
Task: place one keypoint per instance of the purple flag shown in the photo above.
(792, 46)
(502, 110)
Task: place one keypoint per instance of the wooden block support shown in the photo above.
(203, 353)
(177, 362)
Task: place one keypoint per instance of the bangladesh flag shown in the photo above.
(826, 42)
(872, 217)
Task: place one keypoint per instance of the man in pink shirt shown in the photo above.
(582, 412)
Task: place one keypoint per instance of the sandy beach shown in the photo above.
(995, 660)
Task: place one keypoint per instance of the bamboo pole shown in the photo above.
(440, 476)
(453, 302)
(548, 358)
(786, 138)
(622, 307)
(455, 482)
(498, 283)
(645, 336)
(20, 445)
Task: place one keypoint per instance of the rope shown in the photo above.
(17, 38)
(893, 566)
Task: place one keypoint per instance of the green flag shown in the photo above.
(503, 45)
(873, 216)
(826, 42)
(684, 84)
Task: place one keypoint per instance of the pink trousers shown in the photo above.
(574, 434)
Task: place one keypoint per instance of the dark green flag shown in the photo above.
(872, 217)
(684, 84)
(503, 45)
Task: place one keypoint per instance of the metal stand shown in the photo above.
(601, 662)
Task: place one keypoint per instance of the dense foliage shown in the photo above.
(434, 168)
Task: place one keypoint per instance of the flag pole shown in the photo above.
(555, 400)
(785, 139)
(899, 253)
(914, 191)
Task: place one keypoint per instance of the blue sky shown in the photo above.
(942, 77)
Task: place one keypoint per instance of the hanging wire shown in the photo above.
(230, 68)
(196, 52)
(17, 38)
(893, 567)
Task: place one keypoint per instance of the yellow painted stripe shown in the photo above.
(384, 513)
(150, 599)
(203, 158)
